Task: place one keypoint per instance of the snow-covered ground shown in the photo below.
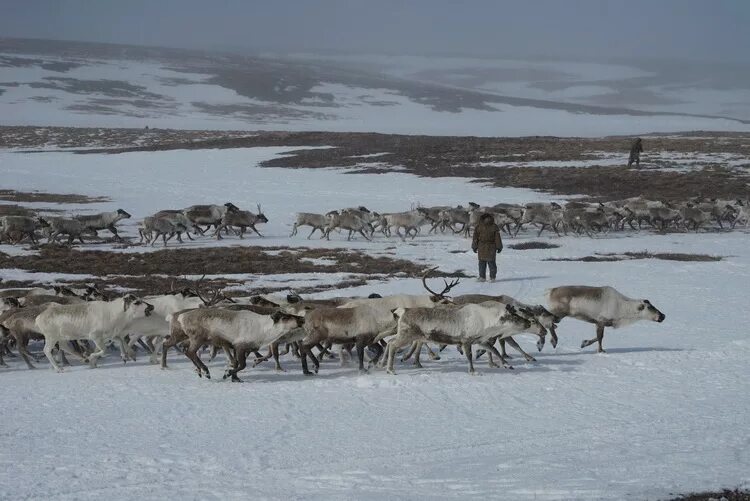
(664, 411)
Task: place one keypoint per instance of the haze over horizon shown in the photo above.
(688, 30)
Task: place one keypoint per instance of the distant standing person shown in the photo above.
(487, 244)
(635, 153)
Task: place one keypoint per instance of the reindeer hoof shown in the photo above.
(363, 371)
(235, 379)
(583, 345)
(531, 359)
(308, 373)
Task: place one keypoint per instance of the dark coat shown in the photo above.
(487, 240)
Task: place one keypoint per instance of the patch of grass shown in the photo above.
(728, 494)
(14, 210)
(153, 272)
(629, 256)
(533, 245)
(58, 198)
(674, 256)
(212, 261)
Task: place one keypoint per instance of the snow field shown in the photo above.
(665, 410)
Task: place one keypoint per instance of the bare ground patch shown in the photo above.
(154, 271)
(56, 198)
(533, 245)
(14, 210)
(451, 156)
(630, 256)
(725, 494)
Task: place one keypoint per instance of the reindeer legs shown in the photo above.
(598, 339)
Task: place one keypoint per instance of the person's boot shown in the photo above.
(481, 279)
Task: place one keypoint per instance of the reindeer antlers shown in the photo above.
(216, 294)
(448, 286)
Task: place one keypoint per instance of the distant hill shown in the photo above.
(44, 82)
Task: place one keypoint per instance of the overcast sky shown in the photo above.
(713, 30)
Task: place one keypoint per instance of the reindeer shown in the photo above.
(22, 226)
(166, 227)
(103, 221)
(243, 330)
(242, 219)
(316, 221)
(602, 306)
(348, 221)
(545, 215)
(461, 325)
(73, 228)
(97, 321)
(210, 215)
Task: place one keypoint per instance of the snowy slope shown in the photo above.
(59, 84)
(665, 410)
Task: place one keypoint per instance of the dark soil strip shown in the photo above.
(728, 494)
(218, 260)
(140, 270)
(630, 256)
(56, 198)
(14, 210)
(533, 245)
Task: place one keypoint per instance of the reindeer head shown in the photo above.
(10, 302)
(62, 290)
(647, 311)
(261, 217)
(261, 301)
(512, 315)
(42, 222)
(130, 301)
(123, 214)
(231, 207)
(287, 320)
(93, 293)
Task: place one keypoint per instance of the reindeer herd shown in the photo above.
(166, 224)
(576, 217)
(83, 323)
